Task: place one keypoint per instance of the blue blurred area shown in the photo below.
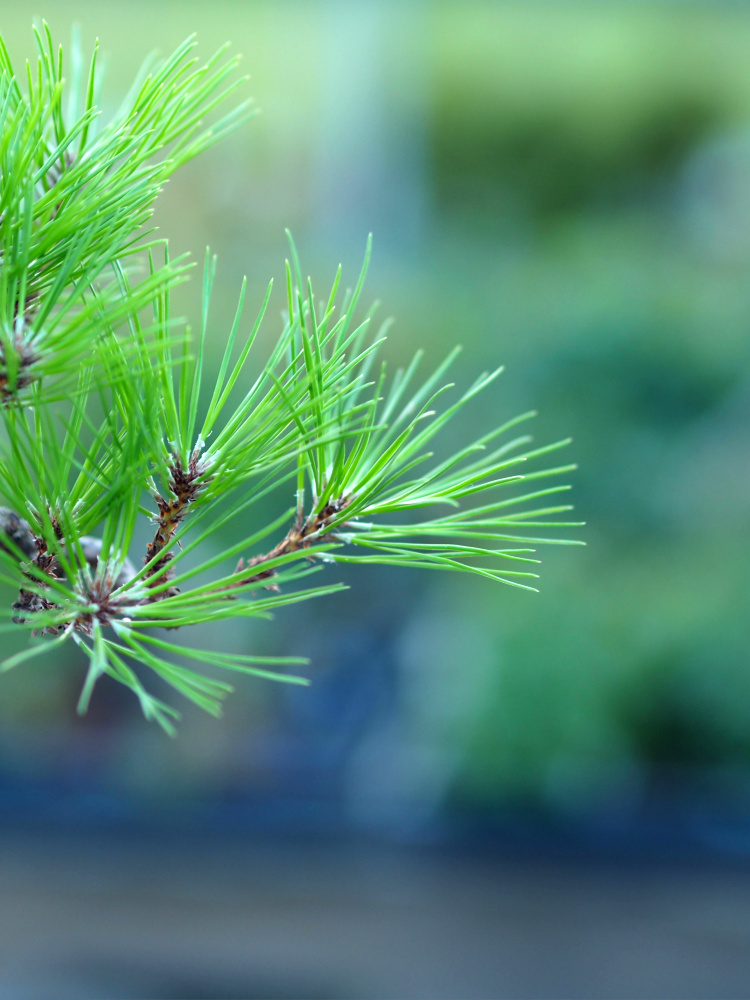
(563, 187)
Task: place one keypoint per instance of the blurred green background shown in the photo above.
(560, 187)
(563, 187)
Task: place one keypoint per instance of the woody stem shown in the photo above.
(299, 537)
(184, 487)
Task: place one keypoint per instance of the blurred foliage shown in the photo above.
(584, 183)
(552, 107)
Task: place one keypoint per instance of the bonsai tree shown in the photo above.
(106, 418)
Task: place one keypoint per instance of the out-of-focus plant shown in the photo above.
(104, 421)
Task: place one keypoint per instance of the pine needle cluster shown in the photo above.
(106, 421)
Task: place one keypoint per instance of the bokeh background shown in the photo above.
(485, 793)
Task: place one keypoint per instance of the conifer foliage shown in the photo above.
(106, 421)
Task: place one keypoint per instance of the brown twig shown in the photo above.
(26, 359)
(100, 587)
(29, 602)
(185, 487)
(26, 356)
(304, 533)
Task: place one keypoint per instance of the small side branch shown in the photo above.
(29, 602)
(16, 373)
(185, 486)
(305, 532)
(22, 363)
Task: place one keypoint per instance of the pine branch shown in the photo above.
(101, 408)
